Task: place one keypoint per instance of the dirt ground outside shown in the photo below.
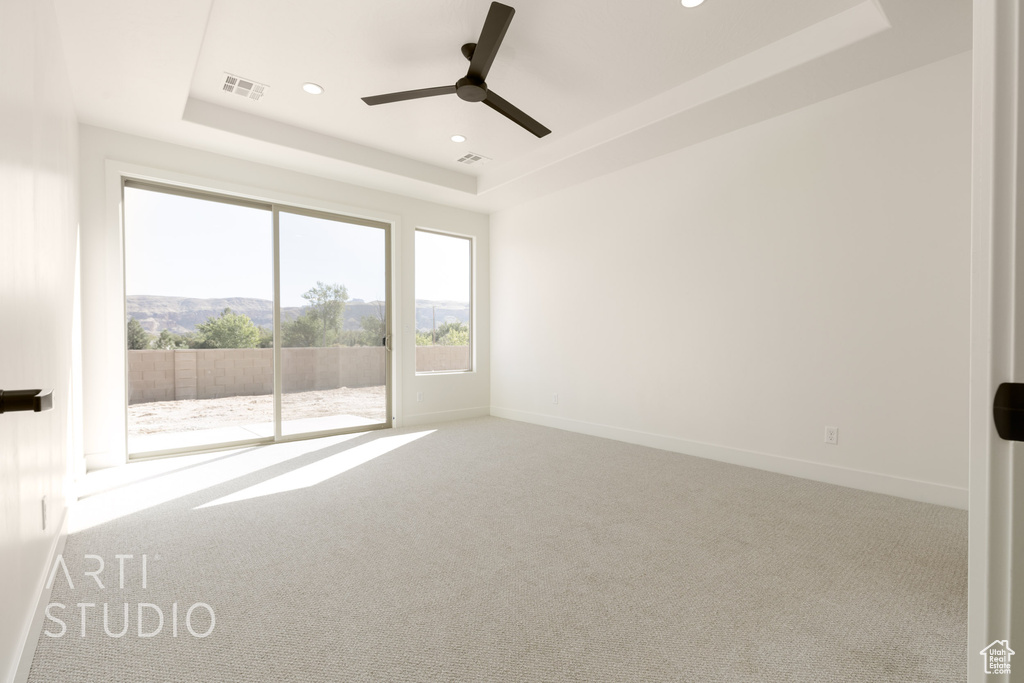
(185, 416)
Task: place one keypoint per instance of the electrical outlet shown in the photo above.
(419, 397)
(44, 513)
(832, 435)
(554, 399)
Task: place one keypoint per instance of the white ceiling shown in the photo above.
(617, 81)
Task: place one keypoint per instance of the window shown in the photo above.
(250, 322)
(444, 286)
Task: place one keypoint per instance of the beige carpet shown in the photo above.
(491, 550)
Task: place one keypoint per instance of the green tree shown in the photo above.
(326, 306)
(266, 338)
(350, 338)
(373, 327)
(372, 333)
(304, 331)
(168, 341)
(138, 338)
(452, 334)
(229, 331)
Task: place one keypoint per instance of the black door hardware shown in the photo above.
(36, 400)
(1008, 411)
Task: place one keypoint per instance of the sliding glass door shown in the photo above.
(334, 323)
(249, 322)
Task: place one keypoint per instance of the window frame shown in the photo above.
(471, 304)
(128, 179)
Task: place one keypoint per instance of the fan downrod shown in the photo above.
(468, 88)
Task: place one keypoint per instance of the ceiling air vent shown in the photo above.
(245, 87)
(470, 158)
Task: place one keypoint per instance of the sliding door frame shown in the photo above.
(278, 368)
(275, 208)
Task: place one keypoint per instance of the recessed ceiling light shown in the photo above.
(458, 138)
(314, 89)
(691, 3)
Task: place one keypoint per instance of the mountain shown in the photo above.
(179, 314)
(430, 312)
(182, 314)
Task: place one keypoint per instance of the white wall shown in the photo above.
(732, 299)
(38, 240)
(102, 152)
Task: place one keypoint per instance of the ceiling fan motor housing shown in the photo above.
(471, 89)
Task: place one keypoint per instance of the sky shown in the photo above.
(442, 267)
(181, 246)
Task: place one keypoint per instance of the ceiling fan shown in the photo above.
(472, 87)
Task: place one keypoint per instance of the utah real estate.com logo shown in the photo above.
(149, 616)
(997, 657)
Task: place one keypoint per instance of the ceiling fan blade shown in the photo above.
(493, 32)
(410, 95)
(508, 109)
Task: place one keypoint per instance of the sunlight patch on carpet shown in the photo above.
(110, 505)
(321, 470)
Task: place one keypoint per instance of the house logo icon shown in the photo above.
(997, 657)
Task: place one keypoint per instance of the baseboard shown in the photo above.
(923, 491)
(445, 416)
(31, 637)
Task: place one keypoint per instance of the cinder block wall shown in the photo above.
(150, 376)
(310, 369)
(215, 373)
(441, 358)
(232, 372)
